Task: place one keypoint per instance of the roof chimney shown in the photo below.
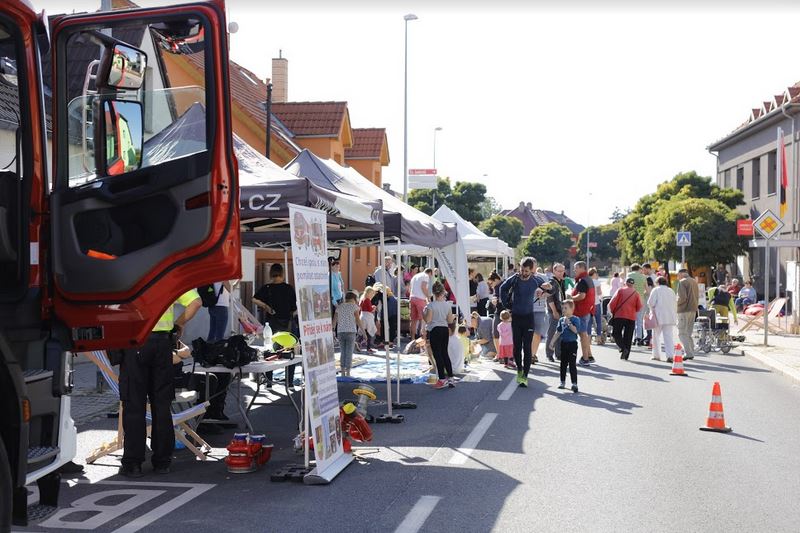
(529, 205)
(280, 79)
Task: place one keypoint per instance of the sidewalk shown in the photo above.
(87, 403)
(781, 355)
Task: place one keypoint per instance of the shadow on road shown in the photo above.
(596, 401)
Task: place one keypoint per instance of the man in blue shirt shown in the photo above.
(518, 293)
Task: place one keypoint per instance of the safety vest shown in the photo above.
(167, 320)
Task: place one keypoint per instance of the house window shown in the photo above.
(740, 178)
(726, 181)
(755, 191)
(772, 180)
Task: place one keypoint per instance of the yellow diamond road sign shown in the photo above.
(768, 224)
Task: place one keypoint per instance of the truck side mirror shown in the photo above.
(122, 135)
(124, 67)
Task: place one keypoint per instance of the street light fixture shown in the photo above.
(406, 18)
(436, 129)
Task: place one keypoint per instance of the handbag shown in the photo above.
(650, 321)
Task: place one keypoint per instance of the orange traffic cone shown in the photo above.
(716, 417)
(677, 362)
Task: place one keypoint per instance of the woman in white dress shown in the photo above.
(664, 310)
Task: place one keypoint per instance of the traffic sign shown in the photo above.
(744, 228)
(421, 178)
(768, 224)
(684, 238)
(592, 244)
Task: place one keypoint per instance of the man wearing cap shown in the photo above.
(146, 374)
(688, 296)
(624, 307)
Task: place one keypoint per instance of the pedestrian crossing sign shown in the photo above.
(684, 238)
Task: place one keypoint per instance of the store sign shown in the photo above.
(422, 178)
(744, 228)
(310, 260)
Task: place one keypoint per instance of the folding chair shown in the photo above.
(757, 321)
(181, 418)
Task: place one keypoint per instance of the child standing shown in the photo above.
(506, 351)
(569, 326)
(368, 317)
(348, 321)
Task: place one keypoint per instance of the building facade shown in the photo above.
(747, 160)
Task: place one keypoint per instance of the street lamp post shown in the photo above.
(588, 221)
(435, 130)
(407, 18)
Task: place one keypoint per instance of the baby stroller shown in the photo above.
(712, 332)
(605, 318)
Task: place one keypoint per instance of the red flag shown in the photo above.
(784, 184)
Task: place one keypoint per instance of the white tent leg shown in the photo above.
(399, 297)
(386, 337)
(286, 263)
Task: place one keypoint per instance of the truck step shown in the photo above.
(36, 374)
(39, 511)
(38, 454)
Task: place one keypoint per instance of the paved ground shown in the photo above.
(623, 455)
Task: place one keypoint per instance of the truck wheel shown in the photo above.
(5, 489)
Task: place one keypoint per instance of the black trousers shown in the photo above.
(569, 355)
(281, 324)
(439, 338)
(623, 334)
(522, 332)
(146, 375)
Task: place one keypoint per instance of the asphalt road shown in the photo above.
(624, 454)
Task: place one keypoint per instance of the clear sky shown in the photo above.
(551, 101)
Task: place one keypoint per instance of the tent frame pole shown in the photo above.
(399, 404)
(389, 417)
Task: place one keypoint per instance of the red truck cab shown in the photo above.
(140, 206)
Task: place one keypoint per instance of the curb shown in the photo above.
(781, 368)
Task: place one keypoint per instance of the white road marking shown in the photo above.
(508, 391)
(418, 514)
(468, 446)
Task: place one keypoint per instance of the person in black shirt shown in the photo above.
(279, 303)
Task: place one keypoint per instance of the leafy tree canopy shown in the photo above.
(548, 243)
(606, 238)
(508, 229)
(468, 199)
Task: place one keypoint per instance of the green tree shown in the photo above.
(633, 244)
(508, 229)
(429, 200)
(468, 200)
(619, 214)
(606, 237)
(548, 243)
(713, 227)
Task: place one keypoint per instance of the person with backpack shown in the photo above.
(216, 298)
(518, 293)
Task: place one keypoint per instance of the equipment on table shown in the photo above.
(247, 453)
(267, 335)
(230, 353)
(354, 427)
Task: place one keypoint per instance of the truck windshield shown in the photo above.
(172, 122)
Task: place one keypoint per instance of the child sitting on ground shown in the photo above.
(463, 336)
(568, 329)
(346, 322)
(505, 353)
(368, 318)
(455, 350)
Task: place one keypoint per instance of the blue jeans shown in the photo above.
(640, 323)
(218, 323)
(598, 317)
(347, 343)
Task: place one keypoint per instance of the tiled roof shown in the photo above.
(312, 118)
(367, 143)
(790, 96)
(532, 218)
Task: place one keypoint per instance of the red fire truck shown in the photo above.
(118, 192)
